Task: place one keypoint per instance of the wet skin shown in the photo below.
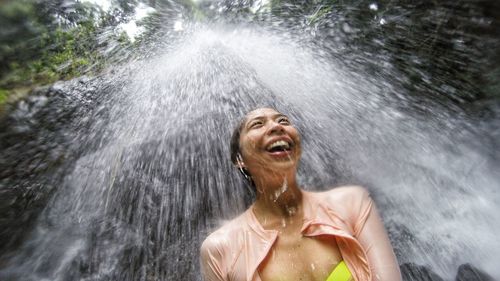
(279, 201)
(261, 128)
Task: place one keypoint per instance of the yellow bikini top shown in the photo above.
(340, 273)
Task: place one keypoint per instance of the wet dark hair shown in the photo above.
(235, 152)
(234, 147)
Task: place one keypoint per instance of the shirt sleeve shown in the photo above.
(371, 233)
(212, 266)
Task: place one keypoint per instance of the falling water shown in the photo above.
(136, 168)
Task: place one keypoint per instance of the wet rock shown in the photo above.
(467, 272)
(36, 137)
(415, 272)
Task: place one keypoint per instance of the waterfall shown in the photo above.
(133, 168)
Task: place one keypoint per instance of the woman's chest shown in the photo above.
(300, 258)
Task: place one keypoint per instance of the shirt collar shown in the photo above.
(318, 220)
(315, 214)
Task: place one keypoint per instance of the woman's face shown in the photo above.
(268, 141)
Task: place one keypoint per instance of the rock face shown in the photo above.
(36, 135)
(467, 272)
(415, 272)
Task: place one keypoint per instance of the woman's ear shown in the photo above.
(241, 167)
(239, 161)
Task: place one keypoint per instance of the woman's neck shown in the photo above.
(278, 197)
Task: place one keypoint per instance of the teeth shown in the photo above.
(278, 143)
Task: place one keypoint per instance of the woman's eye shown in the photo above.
(255, 124)
(283, 121)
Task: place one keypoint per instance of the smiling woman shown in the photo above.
(288, 233)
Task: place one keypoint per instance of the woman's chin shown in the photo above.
(283, 166)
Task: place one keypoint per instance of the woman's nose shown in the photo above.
(276, 127)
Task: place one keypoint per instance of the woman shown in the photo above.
(288, 233)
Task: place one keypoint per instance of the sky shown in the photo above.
(130, 28)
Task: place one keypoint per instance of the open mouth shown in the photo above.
(279, 146)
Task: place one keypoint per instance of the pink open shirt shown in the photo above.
(234, 251)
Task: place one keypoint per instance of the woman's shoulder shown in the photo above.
(347, 193)
(224, 235)
(352, 203)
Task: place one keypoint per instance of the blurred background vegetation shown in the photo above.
(45, 41)
(443, 50)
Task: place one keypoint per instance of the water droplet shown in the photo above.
(178, 26)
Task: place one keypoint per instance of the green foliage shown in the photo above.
(16, 9)
(45, 41)
(3, 96)
(34, 50)
(17, 31)
(64, 54)
(319, 14)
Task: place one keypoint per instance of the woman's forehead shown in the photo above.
(261, 112)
